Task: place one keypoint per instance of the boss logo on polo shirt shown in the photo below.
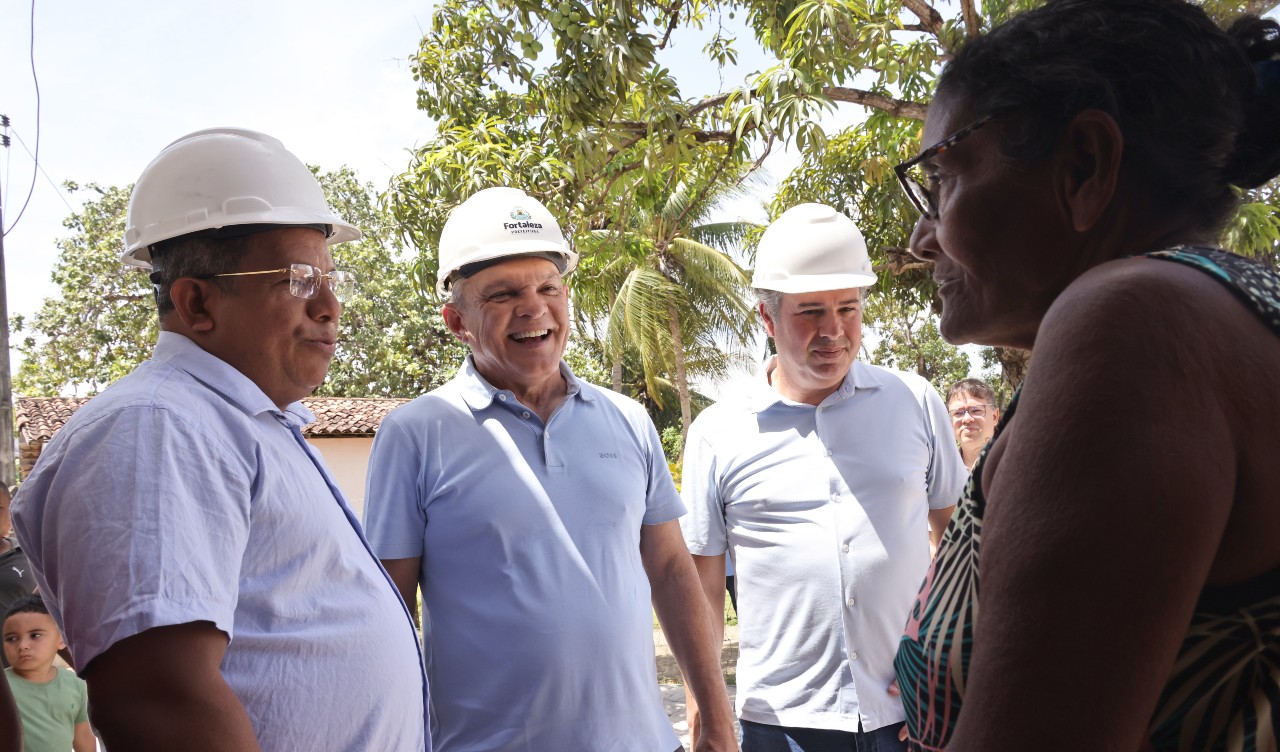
(608, 455)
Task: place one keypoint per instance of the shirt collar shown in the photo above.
(180, 352)
(479, 394)
(763, 395)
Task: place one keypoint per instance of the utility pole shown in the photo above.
(7, 457)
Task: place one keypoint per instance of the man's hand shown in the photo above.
(717, 741)
(681, 605)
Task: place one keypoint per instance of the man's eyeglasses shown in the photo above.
(977, 411)
(916, 181)
(305, 280)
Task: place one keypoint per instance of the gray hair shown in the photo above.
(192, 256)
(772, 299)
(455, 291)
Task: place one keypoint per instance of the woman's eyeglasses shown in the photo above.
(915, 179)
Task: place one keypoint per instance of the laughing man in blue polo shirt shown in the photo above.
(537, 513)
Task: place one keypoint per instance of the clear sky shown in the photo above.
(119, 81)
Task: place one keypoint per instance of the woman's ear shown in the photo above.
(1089, 167)
(190, 298)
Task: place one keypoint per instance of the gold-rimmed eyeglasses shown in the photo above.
(305, 280)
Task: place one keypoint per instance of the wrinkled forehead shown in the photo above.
(947, 114)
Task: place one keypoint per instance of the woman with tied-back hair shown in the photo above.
(1123, 529)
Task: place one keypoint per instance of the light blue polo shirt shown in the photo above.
(537, 617)
(182, 494)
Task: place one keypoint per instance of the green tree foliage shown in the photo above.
(1255, 230)
(566, 99)
(393, 341)
(665, 283)
(910, 341)
(103, 322)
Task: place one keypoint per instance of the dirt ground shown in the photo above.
(669, 672)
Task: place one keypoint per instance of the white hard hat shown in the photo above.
(224, 177)
(812, 248)
(496, 223)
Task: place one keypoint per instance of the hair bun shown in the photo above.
(1257, 151)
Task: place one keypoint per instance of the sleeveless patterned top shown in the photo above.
(1224, 693)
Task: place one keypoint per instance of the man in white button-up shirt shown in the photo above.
(820, 478)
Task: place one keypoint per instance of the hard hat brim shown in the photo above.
(140, 255)
(511, 250)
(814, 282)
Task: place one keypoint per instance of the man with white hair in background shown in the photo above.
(538, 515)
(213, 585)
(824, 478)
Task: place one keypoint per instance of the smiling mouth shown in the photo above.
(536, 334)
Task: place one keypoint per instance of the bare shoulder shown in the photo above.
(1167, 359)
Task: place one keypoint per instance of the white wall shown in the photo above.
(348, 461)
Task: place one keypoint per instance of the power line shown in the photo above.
(35, 80)
(56, 189)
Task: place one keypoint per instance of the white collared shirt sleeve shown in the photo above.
(704, 526)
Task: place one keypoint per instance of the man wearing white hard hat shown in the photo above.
(538, 515)
(822, 476)
(213, 586)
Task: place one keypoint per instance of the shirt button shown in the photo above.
(829, 452)
(846, 548)
(850, 602)
(502, 397)
(526, 415)
(853, 656)
(835, 499)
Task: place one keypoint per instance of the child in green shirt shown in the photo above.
(53, 702)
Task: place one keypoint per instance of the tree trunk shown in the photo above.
(615, 373)
(682, 382)
(1013, 366)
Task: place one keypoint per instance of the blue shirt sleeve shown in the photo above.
(394, 511)
(166, 535)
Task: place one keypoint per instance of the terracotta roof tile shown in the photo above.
(348, 416)
(39, 418)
